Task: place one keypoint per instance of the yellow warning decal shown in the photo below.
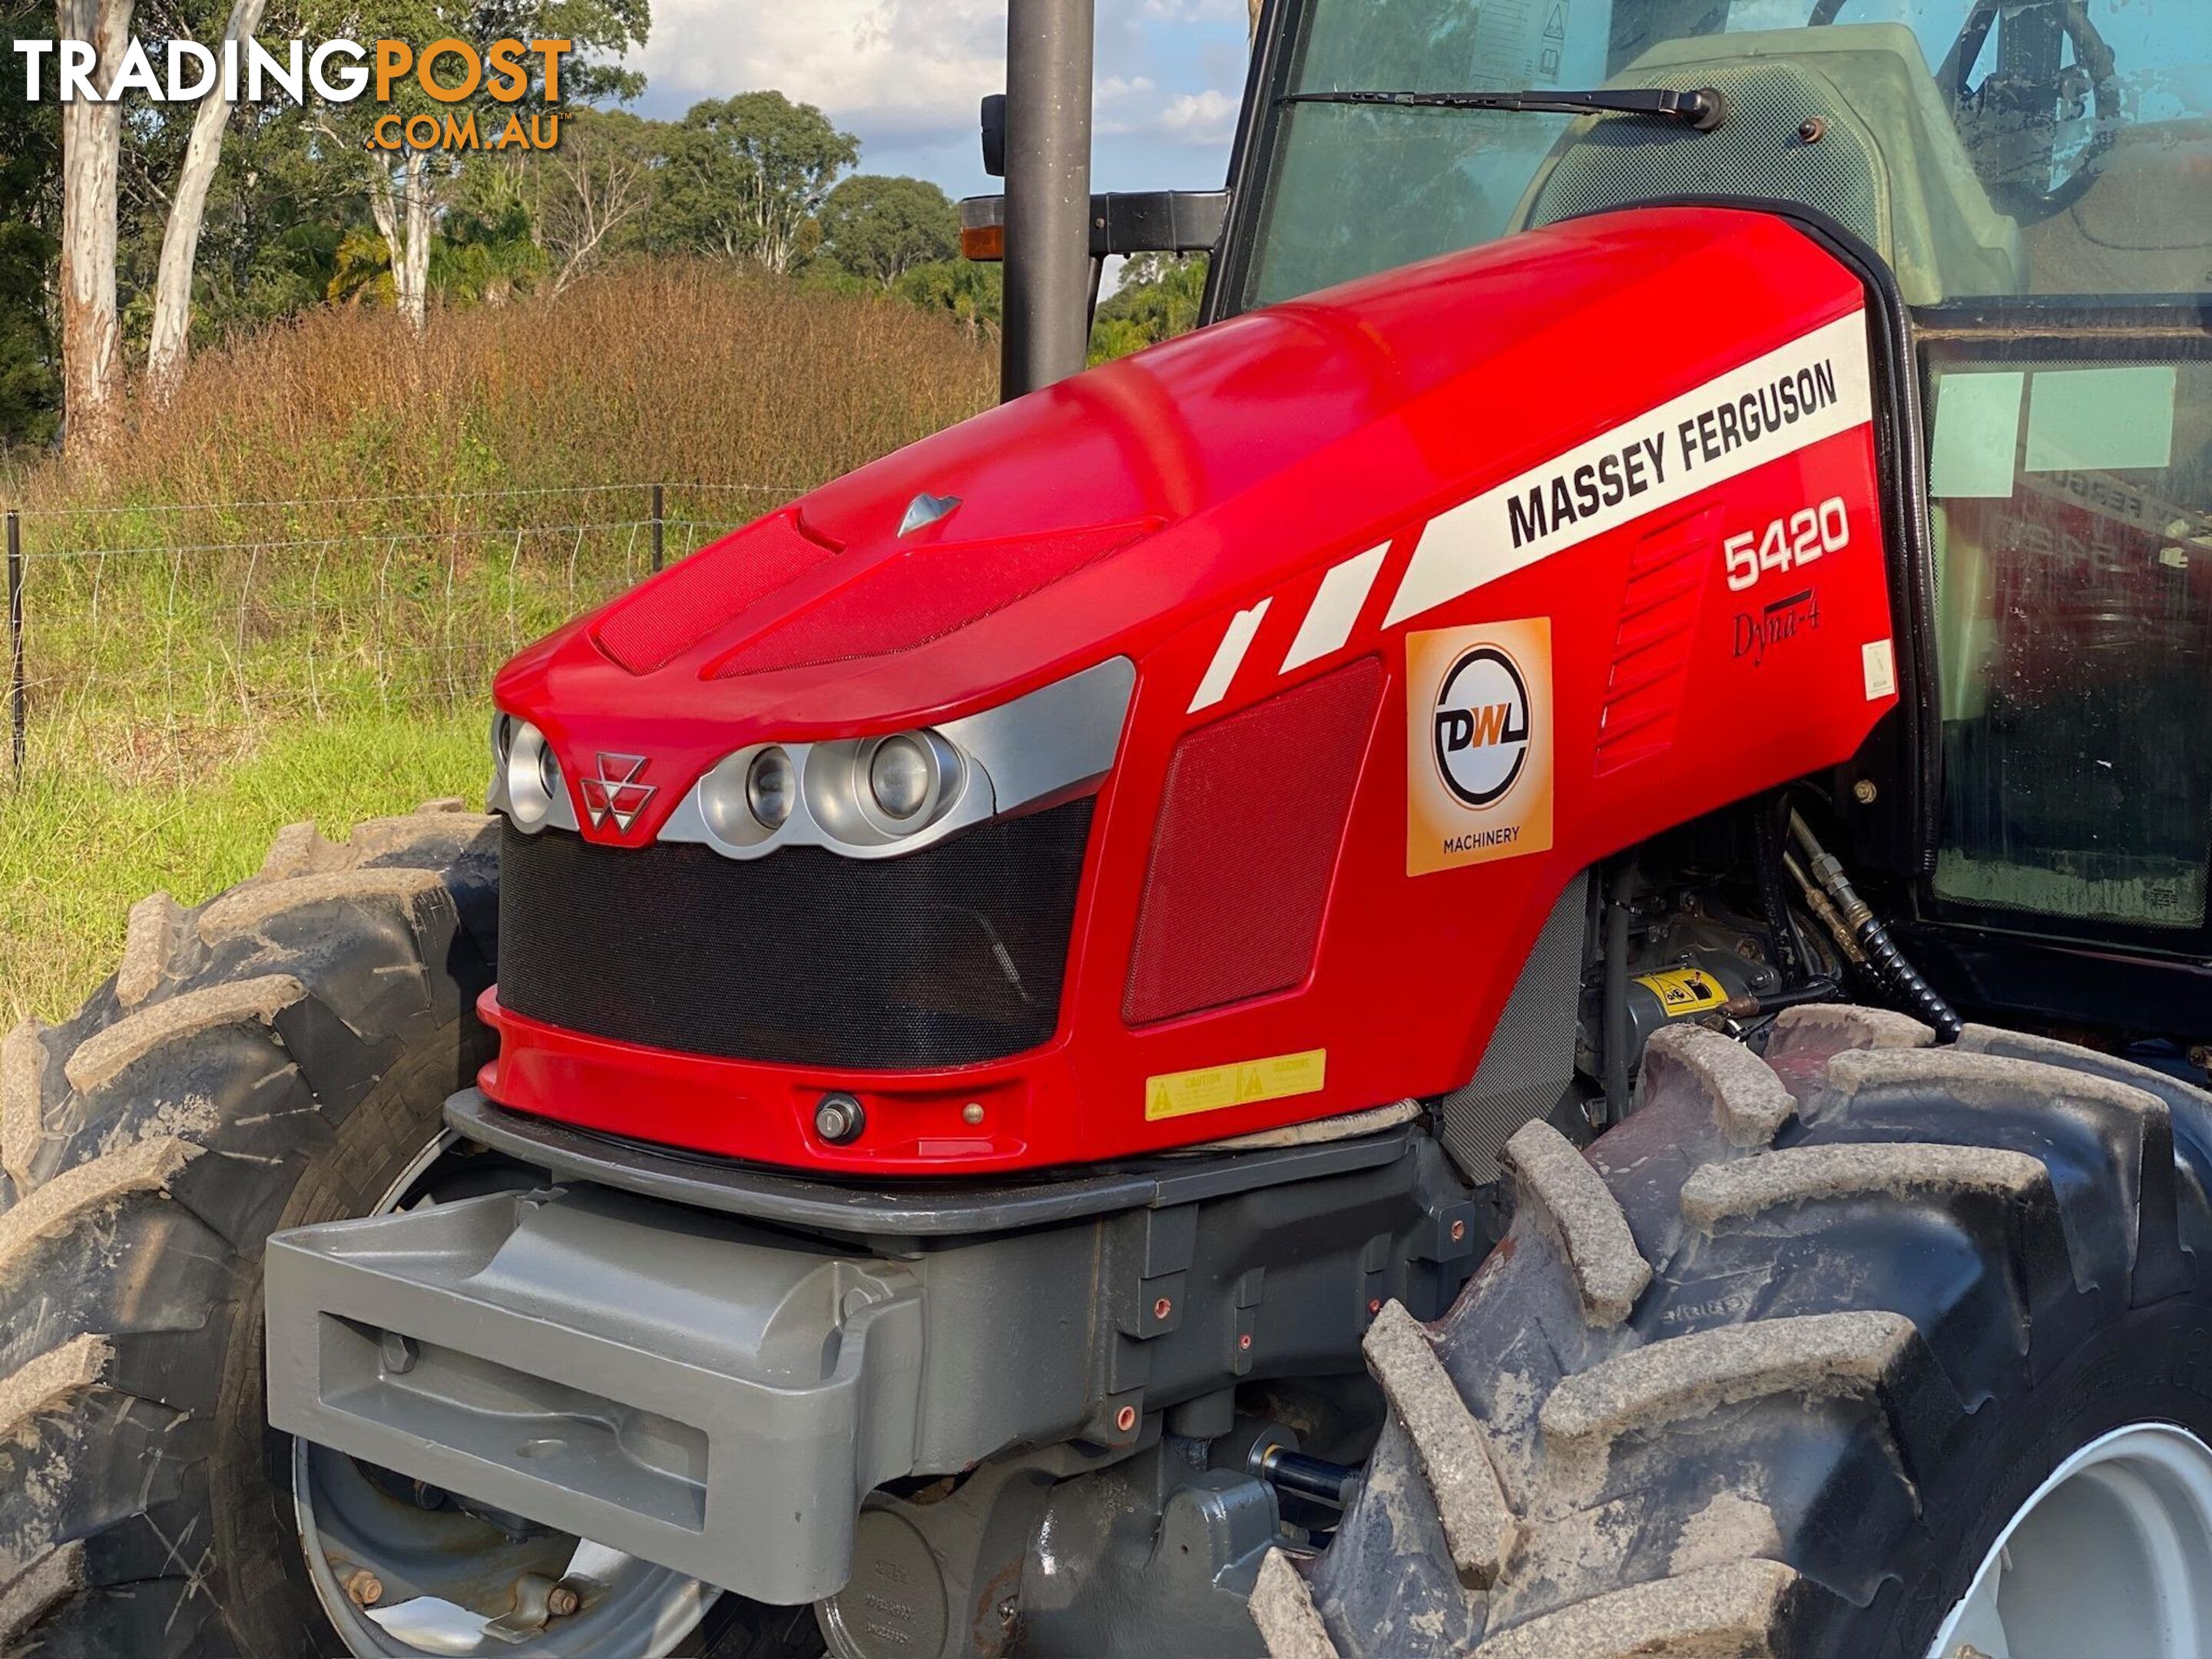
(1212, 1088)
(1684, 990)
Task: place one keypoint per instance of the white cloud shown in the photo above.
(1196, 11)
(906, 75)
(1200, 118)
(896, 71)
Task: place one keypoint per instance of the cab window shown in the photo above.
(1985, 147)
(2072, 515)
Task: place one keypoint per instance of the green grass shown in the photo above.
(185, 706)
(79, 845)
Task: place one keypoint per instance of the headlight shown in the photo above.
(771, 786)
(899, 777)
(749, 796)
(533, 775)
(903, 779)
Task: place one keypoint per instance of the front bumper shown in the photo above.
(918, 1121)
(677, 1381)
(620, 1369)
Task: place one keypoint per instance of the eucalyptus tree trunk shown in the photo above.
(92, 147)
(180, 241)
(401, 209)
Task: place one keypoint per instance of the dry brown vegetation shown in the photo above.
(671, 371)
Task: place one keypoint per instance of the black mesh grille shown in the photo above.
(946, 957)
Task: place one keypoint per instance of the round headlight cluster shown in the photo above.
(901, 777)
(868, 793)
(749, 795)
(533, 773)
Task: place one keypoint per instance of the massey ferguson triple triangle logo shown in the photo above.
(615, 792)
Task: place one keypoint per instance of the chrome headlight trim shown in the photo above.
(1057, 741)
(519, 791)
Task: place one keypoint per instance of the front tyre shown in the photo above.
(278, 1057)
(1861, 1347)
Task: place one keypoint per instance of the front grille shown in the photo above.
(946, 957)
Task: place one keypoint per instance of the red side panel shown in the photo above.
(1250, 822)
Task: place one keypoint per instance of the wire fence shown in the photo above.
(172, 624)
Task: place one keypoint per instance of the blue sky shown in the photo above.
(906, 75)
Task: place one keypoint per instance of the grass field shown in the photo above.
(79, 846)
(284, 597)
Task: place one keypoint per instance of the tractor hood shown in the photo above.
(1102, 515)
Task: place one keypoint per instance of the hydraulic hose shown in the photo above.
(1622, 890)
(1883, 958)
(1767, 854)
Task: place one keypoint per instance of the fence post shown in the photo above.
(15, 638)
(659, 523)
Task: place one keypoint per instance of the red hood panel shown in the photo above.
(1610, 493)
(918, 595)
(1101, 515)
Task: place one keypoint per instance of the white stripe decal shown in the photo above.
(1813, 388)
(1227, 656)
(1335, 608)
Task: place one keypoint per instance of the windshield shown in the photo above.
(2030, 146)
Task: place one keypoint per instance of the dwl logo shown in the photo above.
(1482, 726)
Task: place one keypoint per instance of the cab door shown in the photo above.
(2070, 472)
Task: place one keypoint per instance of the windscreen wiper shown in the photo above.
(1701, 109)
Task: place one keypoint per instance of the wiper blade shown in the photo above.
(1701, 109)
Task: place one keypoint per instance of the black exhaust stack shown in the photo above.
(1047, 327)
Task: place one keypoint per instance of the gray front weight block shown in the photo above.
(714, 1383)
(680, 1387)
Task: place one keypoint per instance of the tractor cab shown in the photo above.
(2033, 183)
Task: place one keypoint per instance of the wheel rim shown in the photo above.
(461, 1580)
(2113, 1555)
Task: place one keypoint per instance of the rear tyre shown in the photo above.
(1776, 1366)
(278, 1057)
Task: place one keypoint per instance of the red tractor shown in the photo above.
(1296, 994)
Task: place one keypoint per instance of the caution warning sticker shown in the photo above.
(1214, 1088)
(1477, 744)
(1683, 991)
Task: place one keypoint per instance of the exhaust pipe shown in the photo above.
(1046, 332)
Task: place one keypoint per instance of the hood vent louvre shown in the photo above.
(922, 594)
(684, 604)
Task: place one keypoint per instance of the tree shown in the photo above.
(180, 241)
(881, 228)
(30, 180)
(410, 189)
(92, 147)
(600, 180)
(1159, 299)
(744, 175)
(970, 292)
